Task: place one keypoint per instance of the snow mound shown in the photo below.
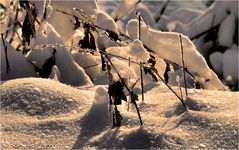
(132, 138)
(40, 97)
(98, 117)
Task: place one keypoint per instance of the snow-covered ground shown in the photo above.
(45, 114)
(59, 69)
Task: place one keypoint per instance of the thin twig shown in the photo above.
(139, 19)
(205, 32)
(162, 11)
(171, 89)
(180, 89)
(5, 49)
(87, 67)
(142, 81)
(182, 58)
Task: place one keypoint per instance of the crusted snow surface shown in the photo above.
(43, 114)
(167, 46)
(41, 97)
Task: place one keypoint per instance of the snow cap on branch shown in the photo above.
(166, 45)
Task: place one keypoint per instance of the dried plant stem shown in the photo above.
(162, 11)
(142, 81)
(5, 49)
(182, 58)
(127, 88)
(171, 89)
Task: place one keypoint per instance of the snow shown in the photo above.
(71, 72)
(40, 6)
(135, 51)
(63, 117)
(216, 61)
(62, 22)
(123, 69)
(85, 60)
(97, 117)
(226, 64)
(230, 65)
(41, 97)
(161, 44)
(55, 73)
(140, 9)
(19, 66)
(70, 109)
(123, 8)
(105, 21)
(184, 15)
(226, 31)
(219, 9)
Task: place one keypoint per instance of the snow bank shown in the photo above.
(41, 97)
(166, 45)
(71, 73)
(19, 66)
(210, 122)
